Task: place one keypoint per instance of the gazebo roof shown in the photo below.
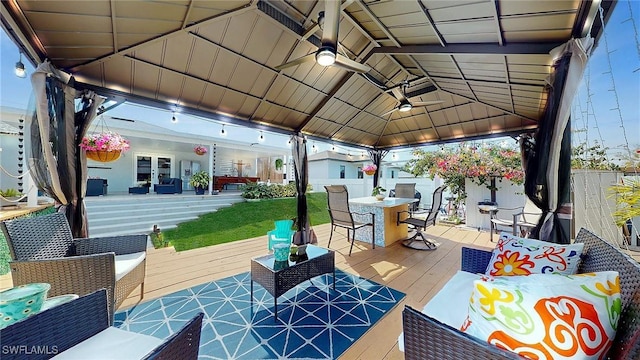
(485, 62)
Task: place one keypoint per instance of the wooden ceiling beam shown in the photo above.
(539, 48)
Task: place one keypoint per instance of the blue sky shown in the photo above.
(603, 122)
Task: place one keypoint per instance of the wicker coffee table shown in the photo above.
(277, 277)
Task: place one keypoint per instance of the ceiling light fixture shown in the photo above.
(20, 71)
(325, 57)
(222, 131)
(174, 119)
(261, 138)
(405, 107)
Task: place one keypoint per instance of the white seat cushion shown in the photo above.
(451, 304)
(112, 343)
(126, 263)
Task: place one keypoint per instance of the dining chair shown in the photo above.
(421, 222)
(341, 216)
(43, 250)
(523, 219)
(407, 191)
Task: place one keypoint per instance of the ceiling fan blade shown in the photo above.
(426, 103)
(312, 30)
(331, 23)
(348, 64)
(397, 92)
(389, 112)
(307, 58)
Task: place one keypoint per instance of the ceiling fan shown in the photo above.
(327, 55)
(401, 94)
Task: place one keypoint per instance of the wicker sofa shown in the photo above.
(427, 338)
(169, 186)
(43, 250)
(81, 328)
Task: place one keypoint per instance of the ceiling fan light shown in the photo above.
(325, 57)
(405, 107)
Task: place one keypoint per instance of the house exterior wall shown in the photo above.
(120, 173)
(9, 162)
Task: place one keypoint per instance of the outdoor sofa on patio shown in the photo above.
(80, 329)
(169, 186)
(428, 338)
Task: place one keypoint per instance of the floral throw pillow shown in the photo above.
(519, 256)
(549, 316)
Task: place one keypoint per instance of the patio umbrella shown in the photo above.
(57, 163)
(376, 157)
(548, 165)
(300, 168)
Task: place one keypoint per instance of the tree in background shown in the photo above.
(592, 157)
(479, 162)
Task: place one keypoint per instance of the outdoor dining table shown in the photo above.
(387, 231)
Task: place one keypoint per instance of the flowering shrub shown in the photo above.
(200, 150)
(107, 141)
(370, 168)
(478, 163)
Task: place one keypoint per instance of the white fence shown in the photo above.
(362, 187)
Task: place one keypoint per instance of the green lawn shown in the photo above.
(242, 221)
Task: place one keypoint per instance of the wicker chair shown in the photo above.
(43, 250)
(341, 216)
(421, 222)
(427, 338)
(60, 328)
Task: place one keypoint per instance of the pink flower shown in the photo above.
(369, 167)
(108, 141)
(200, 150)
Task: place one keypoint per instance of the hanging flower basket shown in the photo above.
(103, 156)
(104, 147)
(200, 150)
(370, 169)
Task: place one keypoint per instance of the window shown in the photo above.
(393, 174)
(342, 171)
(360, 174)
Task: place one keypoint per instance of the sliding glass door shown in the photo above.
(150, 168)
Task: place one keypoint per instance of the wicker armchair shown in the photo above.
(427, 338)
(43, 250)
(62, 327)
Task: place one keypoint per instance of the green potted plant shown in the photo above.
(378, 192)
(279, 164)
(9, 197)
(200, 181)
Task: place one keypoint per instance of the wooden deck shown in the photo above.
(419, 274)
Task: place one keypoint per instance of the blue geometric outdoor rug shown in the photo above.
(314, 321)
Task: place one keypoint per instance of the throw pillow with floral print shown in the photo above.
(547, 316)
(519, 256)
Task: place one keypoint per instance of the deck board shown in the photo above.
(419, 274)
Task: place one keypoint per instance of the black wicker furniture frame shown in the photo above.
(427, 338)
(43, 250)
(278, 277)
(50, 332)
